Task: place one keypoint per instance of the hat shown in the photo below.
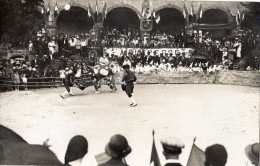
(77, 148)
(172, 145)
(252, 152)
(118, 147)
(216, 155)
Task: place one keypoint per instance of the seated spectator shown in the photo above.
(117, 148)
(252, 153)
(216, 155)
(76, 150)
(171, 150)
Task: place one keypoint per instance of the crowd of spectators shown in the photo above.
(210, 53)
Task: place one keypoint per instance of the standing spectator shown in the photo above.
(30, 46)
(35, 62)
(172, 148)
(16, 78)
(76, 150)
(78, 46)
(252, 153)
(216, 155)
(117, 149)
(238, 46)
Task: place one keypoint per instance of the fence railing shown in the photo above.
(7, 83)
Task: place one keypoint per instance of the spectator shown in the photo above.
(216, 155)
(16, 78)
(117, 148)
(76, 150)
(242, 65)
(252, 153)
(172, 148)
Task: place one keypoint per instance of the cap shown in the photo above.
(172, 145)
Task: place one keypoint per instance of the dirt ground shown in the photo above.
(223, 114)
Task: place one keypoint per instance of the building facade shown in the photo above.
(151, 14)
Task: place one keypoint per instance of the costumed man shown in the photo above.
(69, 82)
(171, 150)
(128, 83)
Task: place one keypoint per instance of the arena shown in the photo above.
(194, 67)
(224, 114)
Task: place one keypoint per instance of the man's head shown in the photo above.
(216, 155)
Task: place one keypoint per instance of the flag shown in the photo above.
(104, 11)
(90, 11)
(56, 9)
(199, 13)
(96, 7)
(191, 10)
(197, 156)
(185, 11)
(42, 10)
(155, 161)
(238, 16)
(157, 19)
(154, 16)
(48, 9)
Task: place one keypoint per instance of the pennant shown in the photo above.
(154, 160)
(154, 16)
(197, 156)
(96, 8)
(191, 9)
(56, 9)
(90, 11)
(48, 9)
(104, 11)
(243, 16)
(185, 11)
(199, 13)
(158, 18)
(238, 15)
(42, 10)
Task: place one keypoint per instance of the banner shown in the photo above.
(153, 51)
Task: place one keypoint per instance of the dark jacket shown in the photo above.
(113, 162)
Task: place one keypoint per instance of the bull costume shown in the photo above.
(91, 77)
(103, 71)
(128, 84)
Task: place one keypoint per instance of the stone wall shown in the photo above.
(243, 78)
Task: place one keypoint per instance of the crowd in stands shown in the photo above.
(210, 53)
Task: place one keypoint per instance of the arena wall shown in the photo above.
(243, 78)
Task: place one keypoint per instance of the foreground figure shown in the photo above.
(128, 84)
(117, 149)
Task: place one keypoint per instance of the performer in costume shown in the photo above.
(128, 83)
(69, 81)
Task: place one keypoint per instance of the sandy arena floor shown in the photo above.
(213, 113)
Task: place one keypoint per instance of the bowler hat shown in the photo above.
(252, 152)
(118, 147)
(216, 155)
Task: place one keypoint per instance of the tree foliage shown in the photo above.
(252, 17)
(20, 19)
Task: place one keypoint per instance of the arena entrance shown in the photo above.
(74, 21)
(121, 18)
(171, 21)
(215, 17)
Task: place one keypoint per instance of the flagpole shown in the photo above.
(191, 148)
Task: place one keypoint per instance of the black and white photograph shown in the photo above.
(129, 82)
